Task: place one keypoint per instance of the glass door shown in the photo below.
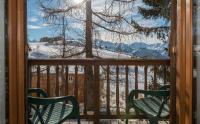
(2, 63)
(196, 61)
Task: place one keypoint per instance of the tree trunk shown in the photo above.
(89, 70)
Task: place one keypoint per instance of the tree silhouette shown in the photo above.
(157, 9)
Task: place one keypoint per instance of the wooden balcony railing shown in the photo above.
(113, 80)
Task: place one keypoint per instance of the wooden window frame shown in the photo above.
(16, 16)
(181, 51)
(184, 41)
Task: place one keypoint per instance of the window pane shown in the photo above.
(196, 59)
(57, 29)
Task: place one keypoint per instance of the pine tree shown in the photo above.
(156, 9)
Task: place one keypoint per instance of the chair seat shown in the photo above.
(151, 106)
(53, 113)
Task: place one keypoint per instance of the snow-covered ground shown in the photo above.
(44, 50)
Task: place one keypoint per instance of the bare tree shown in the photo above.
(113, 18)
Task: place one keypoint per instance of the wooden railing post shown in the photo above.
(108, 89)
(29, 74)
(145, 77)
(48, 80)
(155, 85)
(97, 93)
(38, 76)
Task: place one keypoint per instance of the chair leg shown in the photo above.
(78, 119)
(153, 120)
(126, 121)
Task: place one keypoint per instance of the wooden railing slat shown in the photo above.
(97, 94)
(127, 86)
(57, 80)
(66, 80)
(136, 78)
(30, 76)
(165, 74)
(76, 82)
(155, 79)
(85, 91)
(48, 80)
(38, 76)
(145, 77)
(117, 89)
(108, 89)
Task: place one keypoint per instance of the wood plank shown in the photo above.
(172, 54)
(108, 89)
(88, 61)
(165, 74)
(155, 85)
(12, 62)
(16, 61)
(85, 91)
(21, 61)
(66, 80)
(127, 87)
(97, 94)
(38, 76)
(136, 79)
(48, 80)
(181, 99)
(117, 90)
(145, 77)
(76, 82)
(189, 60)
(57, 80)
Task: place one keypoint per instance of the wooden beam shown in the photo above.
(172, 53)
(184, 62)
(189, 62)
(16, 60)
(12, 62)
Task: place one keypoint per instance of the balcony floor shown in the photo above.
(116, 122)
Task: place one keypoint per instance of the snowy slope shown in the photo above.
(44, 50)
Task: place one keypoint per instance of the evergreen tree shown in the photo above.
(157, 9)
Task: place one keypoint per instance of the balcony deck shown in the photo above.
(113, 80)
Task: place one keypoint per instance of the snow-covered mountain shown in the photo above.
(104, 49)
(136, 49)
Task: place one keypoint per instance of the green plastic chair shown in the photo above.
(154, 105)
(53, 110)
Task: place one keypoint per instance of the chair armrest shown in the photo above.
(51, 100)
(157, 93)
(38, 91)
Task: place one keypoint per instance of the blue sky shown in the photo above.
(37, 27)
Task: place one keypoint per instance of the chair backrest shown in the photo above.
(165, 87)
(37, 91)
